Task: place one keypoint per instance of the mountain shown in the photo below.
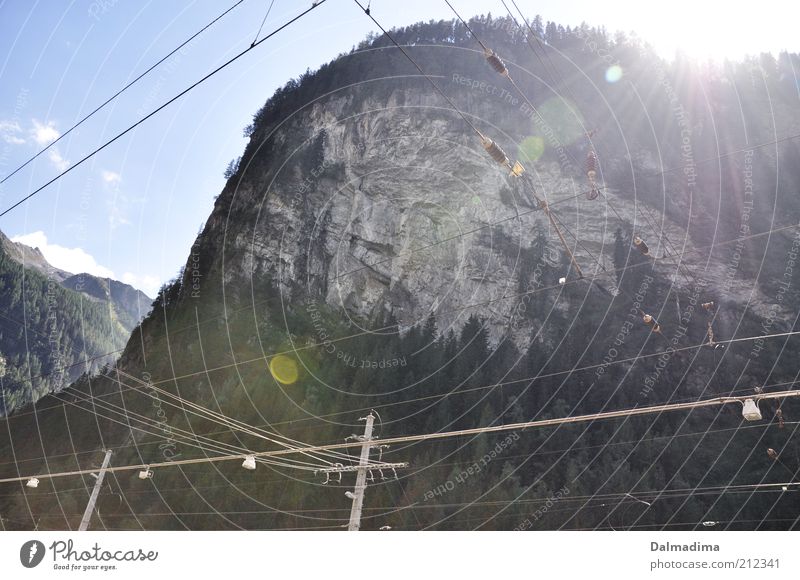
(366, 253)
(31, 258)
(127, 303)
(55, 325)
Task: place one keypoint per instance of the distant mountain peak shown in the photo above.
(32, 258)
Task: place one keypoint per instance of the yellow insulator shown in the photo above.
(494, 151)
(651, 322)
(496, 63)
(518, 169)
(641, 246)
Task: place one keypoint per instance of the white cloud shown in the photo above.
(117, 216)
(44, 134)
(111, 177)
(73, 260)
(9, 132)
(150, 285)
(55, 157)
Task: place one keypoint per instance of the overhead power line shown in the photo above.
(263, 21)
(458, 309)
(161, 107)
(122, 90)
(728, 154)
(716, 401)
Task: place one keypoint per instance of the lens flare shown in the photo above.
(284, 369)
(613, 73)
(559, 122)
(531, 149)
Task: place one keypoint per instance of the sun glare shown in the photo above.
(704, 30)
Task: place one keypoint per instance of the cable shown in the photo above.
(147, 421)
(520, 295)
(555, 72)
(455, 236)
(123, 89)
(263, 21)
(182, 435)
(297, 349)
(226, 421)
(716, 401)
(162, 106)
(724, 155)
(422, 72)
(438, 465)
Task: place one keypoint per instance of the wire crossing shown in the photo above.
(622, 413)
(160, 108)
(122, 90)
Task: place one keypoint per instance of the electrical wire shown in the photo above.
(728, 154)
(158, 109)
(622, 413)
(263, 21)
(122, 90)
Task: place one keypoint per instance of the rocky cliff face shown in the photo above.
(393, 204)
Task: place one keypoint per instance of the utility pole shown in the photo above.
(363, 468)
(87, 515)
(361, 477)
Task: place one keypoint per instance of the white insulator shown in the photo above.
(750, 411)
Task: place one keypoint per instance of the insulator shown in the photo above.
(641, 246)
(651, 322)
(772, 454)
(593, 193)
(708, 305)
(710, 334)
(591, 174)
(517, 170)
(591, 162)
(496, 63)
(494, 151)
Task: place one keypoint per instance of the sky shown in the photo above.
(132, 211)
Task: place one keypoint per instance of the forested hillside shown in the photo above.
(50, 334)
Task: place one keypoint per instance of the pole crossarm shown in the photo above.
(352, 468)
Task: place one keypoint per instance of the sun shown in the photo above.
(703, 30)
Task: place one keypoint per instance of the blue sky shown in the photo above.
(133, 210)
